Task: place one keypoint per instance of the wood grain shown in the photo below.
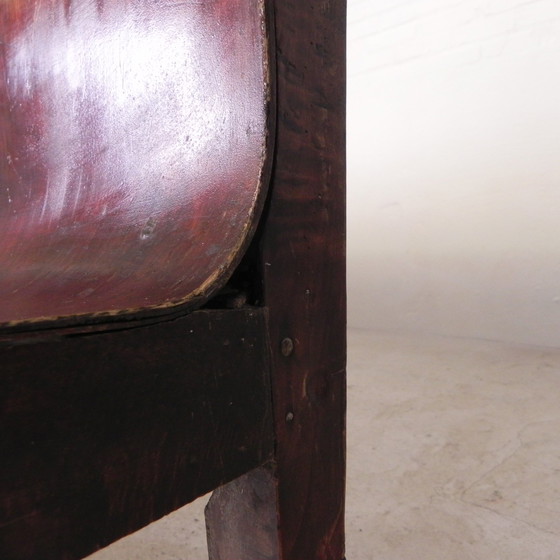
(102, 434)
(105, 431)
(241, 518)
(303, 260)
(133, 151)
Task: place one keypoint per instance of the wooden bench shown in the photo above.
(172, 294)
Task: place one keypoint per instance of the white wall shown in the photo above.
(454, 167)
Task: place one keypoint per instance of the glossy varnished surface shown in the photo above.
(132, 148)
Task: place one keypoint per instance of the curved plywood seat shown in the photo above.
(133, 144)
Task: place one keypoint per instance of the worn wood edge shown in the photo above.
(242, 519)
(288, 396)
(218, 278)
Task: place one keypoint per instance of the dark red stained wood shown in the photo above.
(304, 277)
(120, 403)
(102, 434)
(133, 142)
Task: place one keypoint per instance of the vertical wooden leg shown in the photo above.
(241, 519)
(303, 248)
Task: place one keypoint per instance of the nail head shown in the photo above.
(287, 347)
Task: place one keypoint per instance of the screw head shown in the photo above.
(289, 417)
(287, 347)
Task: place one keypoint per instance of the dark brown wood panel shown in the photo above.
(304, 277)
(101, 434)
(133, 151)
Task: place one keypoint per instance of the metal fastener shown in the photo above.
(287, 347)
(289, 417)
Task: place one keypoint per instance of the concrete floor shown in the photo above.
(453, 454)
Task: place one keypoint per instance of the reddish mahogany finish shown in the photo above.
(105, 428)
(303, 258)
(132, 146)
